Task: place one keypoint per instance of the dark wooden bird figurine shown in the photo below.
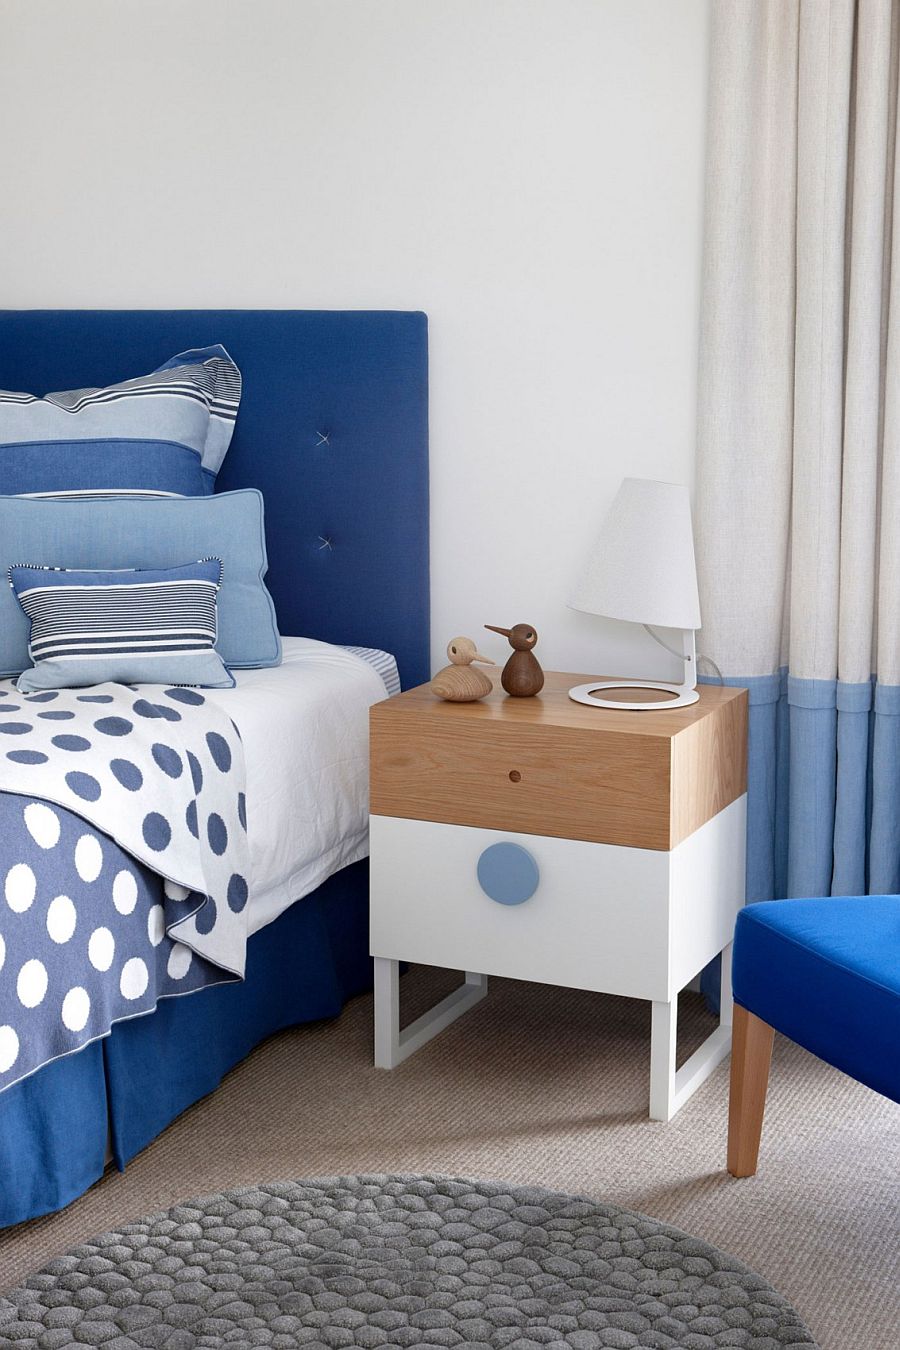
(522, 675)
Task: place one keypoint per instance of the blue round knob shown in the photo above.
(508, 873)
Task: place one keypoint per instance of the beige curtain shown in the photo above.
(799, 446)
(798, 489)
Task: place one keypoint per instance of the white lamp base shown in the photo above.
(586, 693)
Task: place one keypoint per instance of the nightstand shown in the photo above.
(542, 840)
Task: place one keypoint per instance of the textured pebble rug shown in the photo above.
(398, 1261)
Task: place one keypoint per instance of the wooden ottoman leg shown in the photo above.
(751, 1055)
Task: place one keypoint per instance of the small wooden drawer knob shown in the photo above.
(508, 873)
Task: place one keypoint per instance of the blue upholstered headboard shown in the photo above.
(333, 428)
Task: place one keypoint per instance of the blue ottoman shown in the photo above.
(825, 973)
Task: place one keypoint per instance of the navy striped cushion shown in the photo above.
(129, 626)
(164, 434)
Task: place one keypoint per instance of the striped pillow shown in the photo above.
(128, 626)
(163, 434)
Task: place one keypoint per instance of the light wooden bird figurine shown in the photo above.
(460, 682)
(522, 675)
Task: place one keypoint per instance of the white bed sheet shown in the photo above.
(305, 729)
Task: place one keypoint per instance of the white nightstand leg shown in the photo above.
(726, 999)
(387, 1013)
(663, 1034)
(670, 1089)
(392, 1045)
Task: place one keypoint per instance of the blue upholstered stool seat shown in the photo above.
(826, 973)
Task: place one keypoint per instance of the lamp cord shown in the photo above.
(656, 638)
(675, 652)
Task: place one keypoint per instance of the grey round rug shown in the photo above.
(398, 1261)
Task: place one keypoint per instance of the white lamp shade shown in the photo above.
(642, 567)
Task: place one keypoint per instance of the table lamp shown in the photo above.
(642, 569)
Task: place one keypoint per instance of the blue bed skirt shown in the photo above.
(53, 1126)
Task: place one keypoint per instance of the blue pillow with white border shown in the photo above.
(163, 434)
(150, 533)
(127, 626)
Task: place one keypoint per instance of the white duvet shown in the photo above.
(305, 730)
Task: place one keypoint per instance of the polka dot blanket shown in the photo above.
(124, 861)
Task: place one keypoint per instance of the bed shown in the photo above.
(333, 431)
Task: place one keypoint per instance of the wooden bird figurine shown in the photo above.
(460, 682)
(522, 675)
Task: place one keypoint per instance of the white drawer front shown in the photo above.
(599, 918)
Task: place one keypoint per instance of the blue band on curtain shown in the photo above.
(823, 782)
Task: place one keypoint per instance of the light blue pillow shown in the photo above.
(127, 626)
(147, 532)
(165, 433)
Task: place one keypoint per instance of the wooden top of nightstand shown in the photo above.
(552, 707)
(546, 765)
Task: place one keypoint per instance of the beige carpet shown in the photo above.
(548, 1086)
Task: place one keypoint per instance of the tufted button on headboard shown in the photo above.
(333, 428)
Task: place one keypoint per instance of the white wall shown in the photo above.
(529, 172)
